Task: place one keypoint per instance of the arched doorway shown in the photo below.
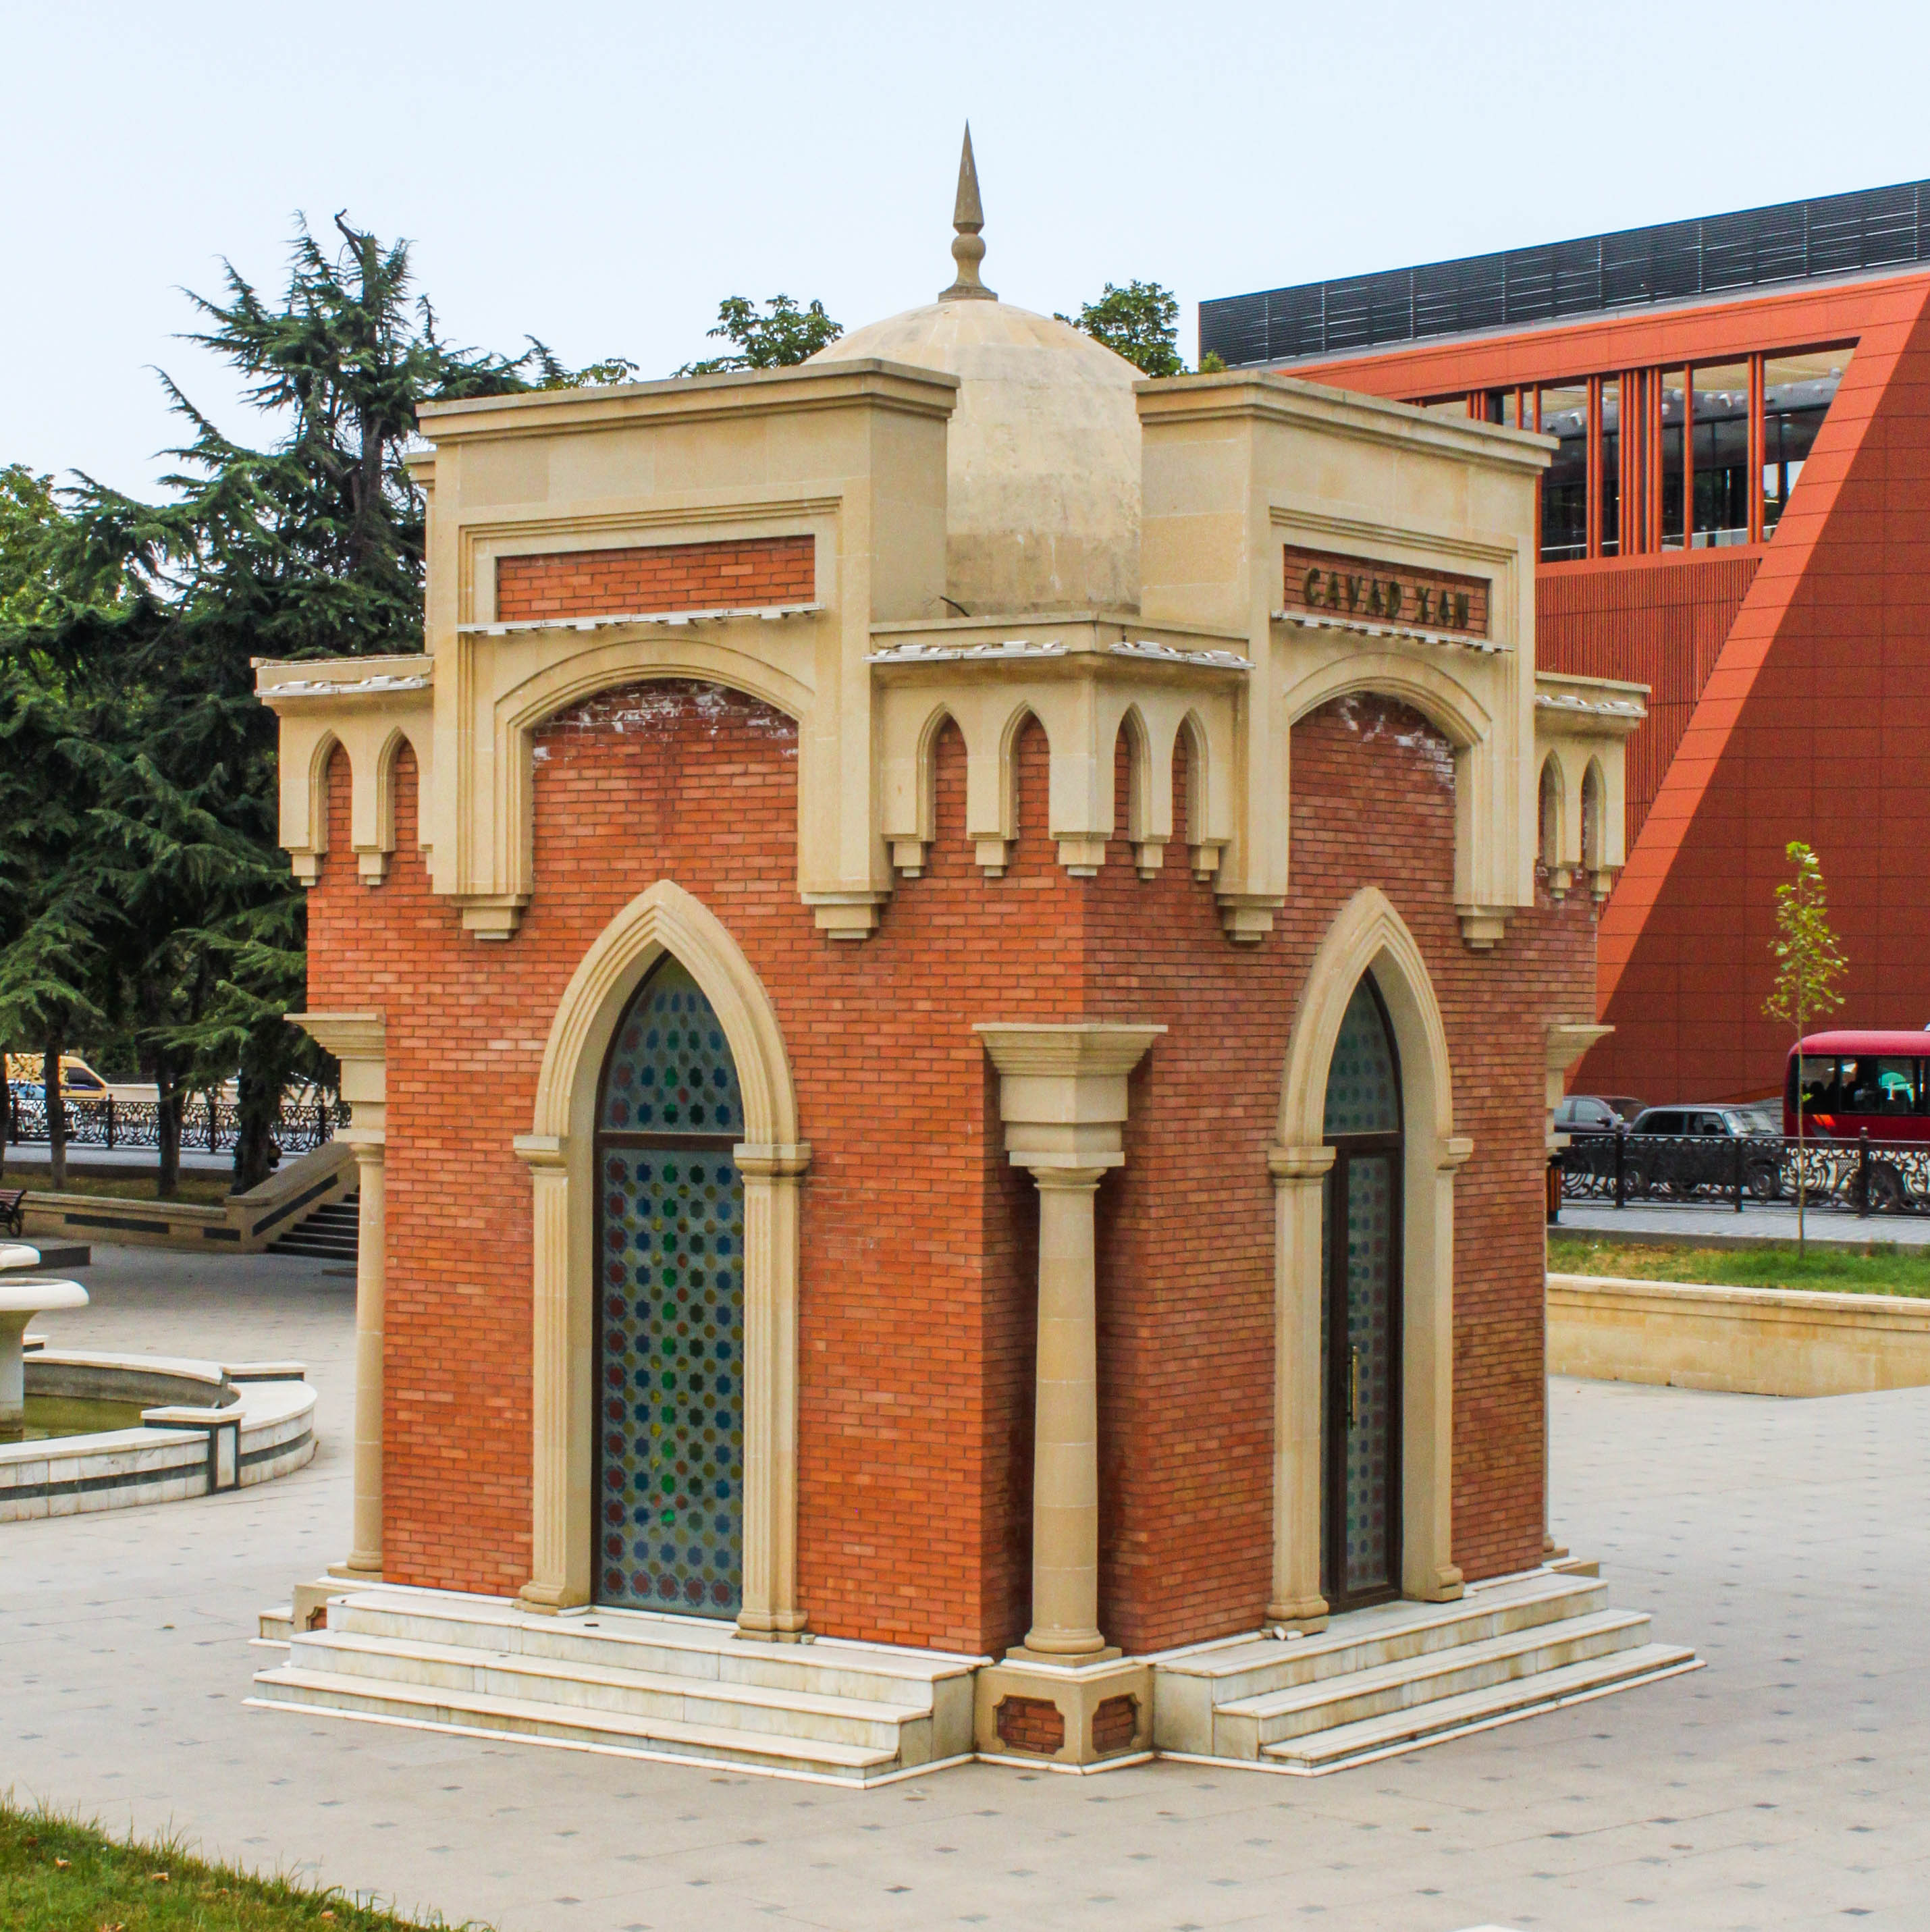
(669, 1357)
(1361, 1316)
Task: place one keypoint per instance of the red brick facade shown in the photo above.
(918, 1237)
(740, 575)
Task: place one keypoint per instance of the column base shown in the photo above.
(1054, 1660)
(354, 1572)
(309, 1602)
(1066, 1713)
(1304, 1615)
(551, 1599)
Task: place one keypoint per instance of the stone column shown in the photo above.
(1063, 1098)
(774, 1176)
(1299, 1175)
(1065, 1452)
(1567, 1041)
(365, 1549)
(560, 1395)
(359, 1042)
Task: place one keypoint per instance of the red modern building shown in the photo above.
(1738, 515)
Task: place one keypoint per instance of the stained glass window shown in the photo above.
(1363, 1085)
(1371, 1337)
(671, 1071)
(670, 1309)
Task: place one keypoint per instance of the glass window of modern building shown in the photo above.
(1797, 391)
(1565, 487)
(1719, 455)
(1608, 466)
(1674, 418)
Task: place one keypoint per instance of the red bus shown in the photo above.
(1857, 1081)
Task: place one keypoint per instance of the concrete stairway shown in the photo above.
(327, 1234)
(1403, 1675)
(668, 1687)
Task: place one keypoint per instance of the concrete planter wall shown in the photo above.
(243, 1224)
(1748, 1341)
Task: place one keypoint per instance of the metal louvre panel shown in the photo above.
(1674, 261)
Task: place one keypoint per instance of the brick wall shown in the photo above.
(918, 1237)
(739, 575)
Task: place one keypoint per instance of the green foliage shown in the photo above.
(1213, 363)
(1809, 961)
(56, 1874)
(141, 886)
(1835, 1267)
(1139, 322)
(783, 334)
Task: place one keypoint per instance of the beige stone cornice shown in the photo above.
(349, 1037)
(1071, 1050)
(1588, 707)
(692, 399)
(1291, 399)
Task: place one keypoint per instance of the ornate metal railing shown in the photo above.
(1865, 1176)
(207, 1125)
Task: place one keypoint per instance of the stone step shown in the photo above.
(1435, 1722)
(689, 1648)
(1243, 1729)
(1192, 1683)
(703, 1702)
(293, 1688)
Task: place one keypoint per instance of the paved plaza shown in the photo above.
(1784, 1785)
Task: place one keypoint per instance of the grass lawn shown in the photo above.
(196, 1185)
(56, 1877)
(1839, 1269)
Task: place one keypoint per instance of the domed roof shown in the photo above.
(1042, 452)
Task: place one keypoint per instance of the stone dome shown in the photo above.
(1042, 455)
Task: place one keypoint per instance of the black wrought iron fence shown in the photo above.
(1864, 1176)
(207, 1125)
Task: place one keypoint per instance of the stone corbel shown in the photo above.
(1484, 928)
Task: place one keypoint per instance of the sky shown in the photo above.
(601, 175)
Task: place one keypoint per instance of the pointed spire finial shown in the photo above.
(968, 218)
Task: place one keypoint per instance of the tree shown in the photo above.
(1139, 322)
(311, 545)
(1808, 964)
(784, 335)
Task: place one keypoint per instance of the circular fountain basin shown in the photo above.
(51, 1418)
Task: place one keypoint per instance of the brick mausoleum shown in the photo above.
(950, 987)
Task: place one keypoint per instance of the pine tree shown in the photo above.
(310, 546)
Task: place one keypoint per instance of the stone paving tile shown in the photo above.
(1783, 1786)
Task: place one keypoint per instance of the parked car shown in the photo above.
(1683, 1148)
(77, 1079)
(1588, 1113)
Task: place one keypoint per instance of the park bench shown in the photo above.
(13, 1210)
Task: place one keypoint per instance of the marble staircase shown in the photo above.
(660, 1686)
(1403, 1675)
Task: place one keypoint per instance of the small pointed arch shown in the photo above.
(320, 776)
(1009, 738)
(1191, 741)
(1552, 810)
(1594, 813)
(1137, 742)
